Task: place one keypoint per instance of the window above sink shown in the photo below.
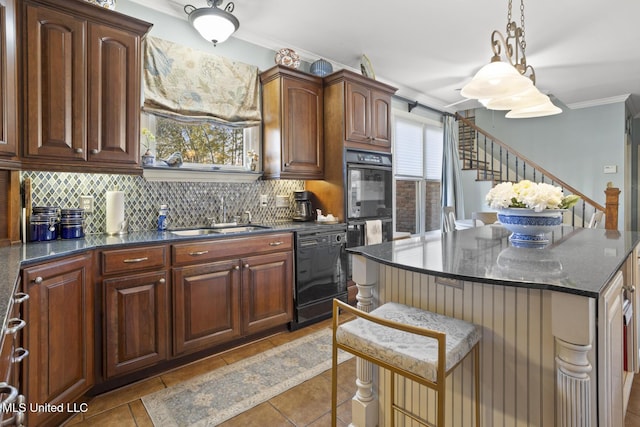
(207, 151)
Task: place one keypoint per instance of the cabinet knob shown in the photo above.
(94, 151)
(79, 150)
(246, 266)
(287, 164)
(20, 297)
(631, 289)
(37, 280)
(162, 281)
(236, 267)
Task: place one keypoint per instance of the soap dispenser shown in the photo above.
(162, 217)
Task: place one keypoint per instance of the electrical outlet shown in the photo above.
(86, 203)
(264, 199)
(282, 202)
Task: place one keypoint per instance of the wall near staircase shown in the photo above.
(574, 145)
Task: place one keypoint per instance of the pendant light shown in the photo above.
(214, 24)
(510, 84)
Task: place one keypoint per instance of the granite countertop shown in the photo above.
(577, 260)
(13, 258)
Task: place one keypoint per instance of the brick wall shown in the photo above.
(406, 206)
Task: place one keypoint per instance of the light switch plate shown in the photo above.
(610, 169)
(264, 199)
(282, 201)
(86, 203)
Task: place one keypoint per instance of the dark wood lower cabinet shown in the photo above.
(59, 335)
(267, 291)
(136, 321)
(206, 305)
(88, 333)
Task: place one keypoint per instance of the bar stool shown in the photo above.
(417, 344)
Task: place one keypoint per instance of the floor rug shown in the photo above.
(215, 397)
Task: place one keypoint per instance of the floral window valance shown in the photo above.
(187, 84)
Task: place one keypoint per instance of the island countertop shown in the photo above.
(577, 260)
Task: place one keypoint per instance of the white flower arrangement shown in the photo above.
(527, 194)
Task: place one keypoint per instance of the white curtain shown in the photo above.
(452, 194)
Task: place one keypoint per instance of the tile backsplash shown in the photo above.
(190, 203)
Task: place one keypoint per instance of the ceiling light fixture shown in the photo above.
(510, 85)
(214, 24)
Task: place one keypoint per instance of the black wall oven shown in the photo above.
(369, 194)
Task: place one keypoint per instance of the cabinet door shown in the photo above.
(8, 82)
(357, 113)
(135, 310)
(206, 306)
(114, 95)
(380, 116)
(59, 333)
(55, 108)
(610, 355)
(267, 291)
(302, 125)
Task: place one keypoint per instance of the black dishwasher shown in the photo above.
(320, 272)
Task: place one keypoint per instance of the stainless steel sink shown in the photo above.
(220, 230)
(239, 229)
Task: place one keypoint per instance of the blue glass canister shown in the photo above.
(321, 68)
(72, 223)
(43, 228)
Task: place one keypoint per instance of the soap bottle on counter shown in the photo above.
(162, 217)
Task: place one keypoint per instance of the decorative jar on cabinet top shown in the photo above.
(107, 4)
(321, 68)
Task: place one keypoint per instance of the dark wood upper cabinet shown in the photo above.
(56, 85)
(114, 86)
(81, 71)
(292, 109)
(362, 108)
(8, 86)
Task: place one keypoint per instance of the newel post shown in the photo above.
(611, 214)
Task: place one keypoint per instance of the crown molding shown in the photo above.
(598, 102)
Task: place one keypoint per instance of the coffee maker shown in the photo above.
(303, 209)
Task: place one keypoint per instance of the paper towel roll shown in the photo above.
(115, 211)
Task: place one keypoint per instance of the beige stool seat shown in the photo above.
(415, 343)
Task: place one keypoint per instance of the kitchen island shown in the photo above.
(552, 320)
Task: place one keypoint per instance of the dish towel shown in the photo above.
(373, 232)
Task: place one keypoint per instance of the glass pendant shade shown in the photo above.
(532, 97)
(496, 80)
(215, 25)
(546, 109)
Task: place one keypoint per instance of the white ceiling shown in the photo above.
(585, 52)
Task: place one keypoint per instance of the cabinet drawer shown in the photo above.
(125, 260)
(198, 252)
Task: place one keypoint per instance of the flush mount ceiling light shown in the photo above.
(510, 85)
(213, 23)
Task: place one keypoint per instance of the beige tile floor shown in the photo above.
(307, 404)
(632, 418)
